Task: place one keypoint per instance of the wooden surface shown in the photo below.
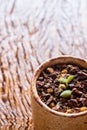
(32, 31)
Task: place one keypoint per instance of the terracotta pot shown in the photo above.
(45, 118)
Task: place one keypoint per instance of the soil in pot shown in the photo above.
(63, 88)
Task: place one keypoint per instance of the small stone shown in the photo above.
(75, 91)
(51, 99)
(62, 86)
(83, 109)
(72, 102)
(64, 71)
(52, 104)
(63, 75)
(50, 70)
(69, 111)
(50, 90)
(57, 106)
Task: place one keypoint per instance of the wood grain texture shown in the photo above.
(32, 31)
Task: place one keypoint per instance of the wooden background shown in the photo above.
(32, 31)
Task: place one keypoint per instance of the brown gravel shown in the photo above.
(63, 88)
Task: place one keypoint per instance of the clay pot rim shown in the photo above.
(35, 93)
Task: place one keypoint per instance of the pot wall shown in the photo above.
(45, 120)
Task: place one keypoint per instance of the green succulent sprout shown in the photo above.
(66, 94)
(66, 81)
